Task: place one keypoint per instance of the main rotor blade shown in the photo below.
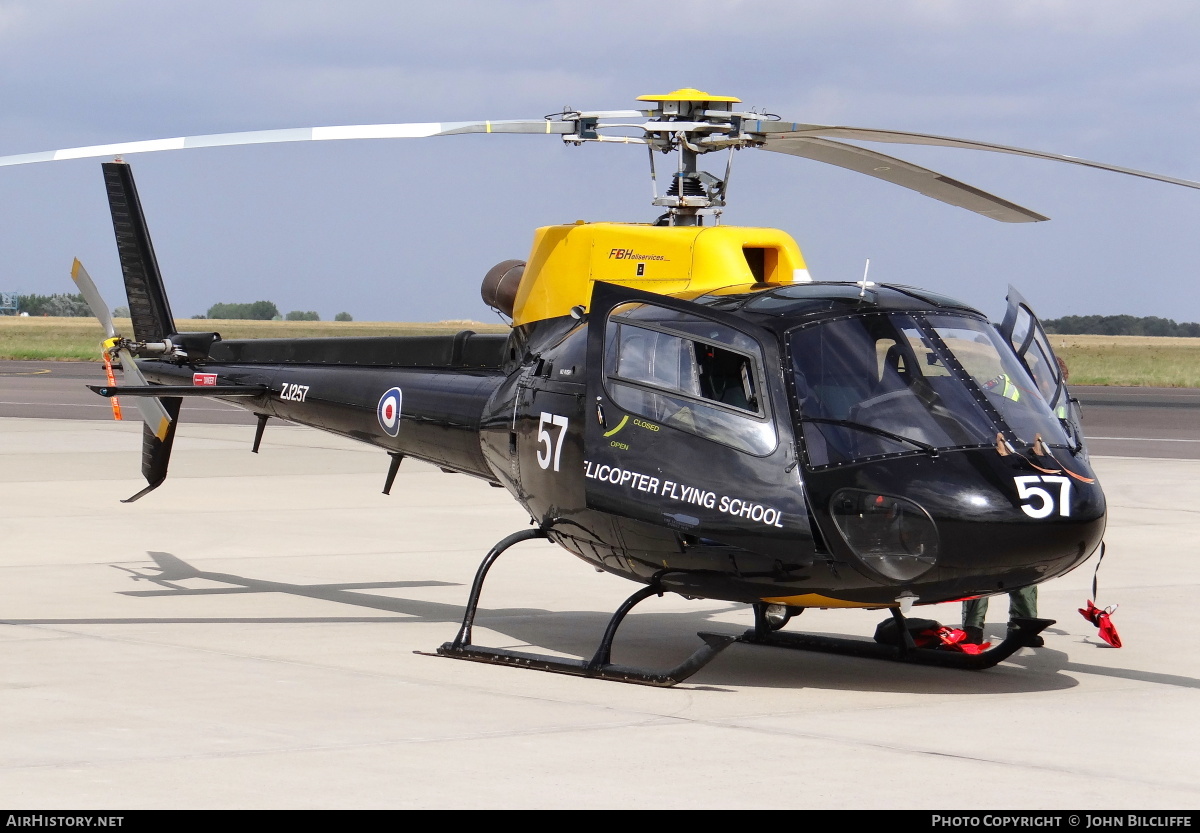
(92, 295)
(776, 131)
(412, 130)
(905, 174)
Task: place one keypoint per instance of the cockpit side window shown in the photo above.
(689, 373)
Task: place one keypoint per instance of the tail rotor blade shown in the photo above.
(156, 417)
(92, 295)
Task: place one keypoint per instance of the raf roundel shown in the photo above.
(388, 411)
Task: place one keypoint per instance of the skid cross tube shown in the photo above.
(600, 666)
(1020, 635)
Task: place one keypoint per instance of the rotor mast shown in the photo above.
(688, 123)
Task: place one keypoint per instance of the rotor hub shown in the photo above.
(689, 123)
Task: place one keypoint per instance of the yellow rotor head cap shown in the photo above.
(689, 94)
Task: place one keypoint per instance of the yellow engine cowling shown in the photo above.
(679, 260)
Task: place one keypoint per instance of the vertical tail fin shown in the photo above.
(151, 314)
(148, 305)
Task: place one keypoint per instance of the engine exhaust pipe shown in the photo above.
(500, 285)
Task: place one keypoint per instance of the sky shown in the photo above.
(405, 229)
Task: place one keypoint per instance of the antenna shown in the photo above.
(864, 283)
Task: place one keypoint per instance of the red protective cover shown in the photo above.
(949, 639)
(1102, 619)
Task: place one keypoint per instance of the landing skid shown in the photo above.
(1020, 635)
(600, 666)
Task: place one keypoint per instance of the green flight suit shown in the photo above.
(1022, 604)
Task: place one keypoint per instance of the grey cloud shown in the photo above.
(1114, 81)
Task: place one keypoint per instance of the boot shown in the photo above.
(974, 635)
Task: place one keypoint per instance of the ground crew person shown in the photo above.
(1022, 604)
(1003, 385)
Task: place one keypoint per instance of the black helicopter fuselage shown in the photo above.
(820, 445)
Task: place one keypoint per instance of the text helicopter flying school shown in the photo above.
(679, 403)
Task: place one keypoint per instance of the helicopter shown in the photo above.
(679, 402)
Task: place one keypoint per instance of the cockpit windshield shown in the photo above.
(887, 383)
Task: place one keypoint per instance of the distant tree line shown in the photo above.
(1119, 325)
(74, 306)
(256, 311)
(265, 311)
(62, 306)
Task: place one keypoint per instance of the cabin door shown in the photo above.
(1028, 338)
(686, 423)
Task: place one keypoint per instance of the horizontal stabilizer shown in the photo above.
(181, 390)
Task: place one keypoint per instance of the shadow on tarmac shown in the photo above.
(646, 639)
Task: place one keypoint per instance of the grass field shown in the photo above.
(1130, 360)
(1093, 360)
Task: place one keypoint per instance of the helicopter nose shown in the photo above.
(975, 515)
(1045, 522)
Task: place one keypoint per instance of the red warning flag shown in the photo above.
(112, 382)
(1101, 618)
